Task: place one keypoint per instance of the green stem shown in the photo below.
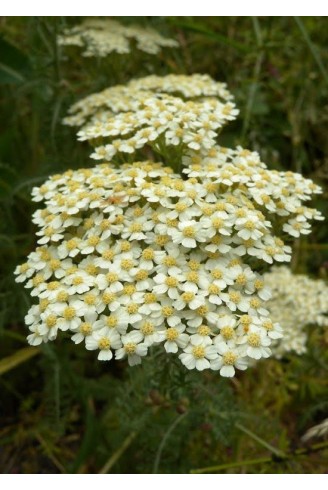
(272, 459)
(256, 75)
(167, 434)
(116, 456)
(312, 48)
(261, 441)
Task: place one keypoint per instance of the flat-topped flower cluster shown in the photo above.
(297, 302)
(100, 37)
(136, 256)
(169, 115)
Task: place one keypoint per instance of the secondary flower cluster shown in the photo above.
(100, 37)
(174, 113)
(297, 301)
(138, 256)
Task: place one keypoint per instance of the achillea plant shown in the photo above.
(100, 37)
(135, 255)
(297, 302)
(167, 115)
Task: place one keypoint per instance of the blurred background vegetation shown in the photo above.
(60, 409)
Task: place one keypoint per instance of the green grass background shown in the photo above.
(60, 409)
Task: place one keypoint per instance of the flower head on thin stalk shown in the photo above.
(100, 37)
(297, 301)
(139, 256)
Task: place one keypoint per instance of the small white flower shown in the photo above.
(229, 359)
(133, 348)
(188, 234)
(168, 284)
(199, 356)
(175, 338)
(117, 321)
(104, 340)
(256, 344)
(85, 328)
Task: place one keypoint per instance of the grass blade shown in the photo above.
(312, 48)
(18, 358)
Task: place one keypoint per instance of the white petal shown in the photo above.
(227, 371)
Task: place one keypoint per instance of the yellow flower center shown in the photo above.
(37, 280)
(44, 303)
(127, 264)
(234, 297)
(227, 332)
(167, 311)
(51, 321)
(207, 210)
(108, 297)
(193, 276)
(104, 343)
(136, 227)
(54, 264)
(171, 282)
(189, 232)
(147, 328)
(62, 296)
(198, 352)
(69, 313)
(217, 274)
(188, 296)
(162, 240)
(90, 299)
(241, 279)
(250, 225)
(85, 329)
(169, 261)
(171, 334)
(77, 280)
(108, 255)
(193, 265)
(229, 358)
(204, 330)
(255, 303)
(129, 289)
(23, 268)
(91, 269)
(258, 284)
(202, 310)
(213, 289)
(112, 277)
(141, 275)
(234, 262)
(150, 298)
(53, 285)
(245, 320)
(125, 246)
(217, 223)
(132, 308)
(148, 254)
(180, 207)
(270, 251)
(105, 224)
(111, 321)
(93, 241)
(71, 270)
(268, 325)
(254, 340)
(130, 348)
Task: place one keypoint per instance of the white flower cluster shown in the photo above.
(137, 256)
(100, 37)
(297, 301)
(174, 113)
